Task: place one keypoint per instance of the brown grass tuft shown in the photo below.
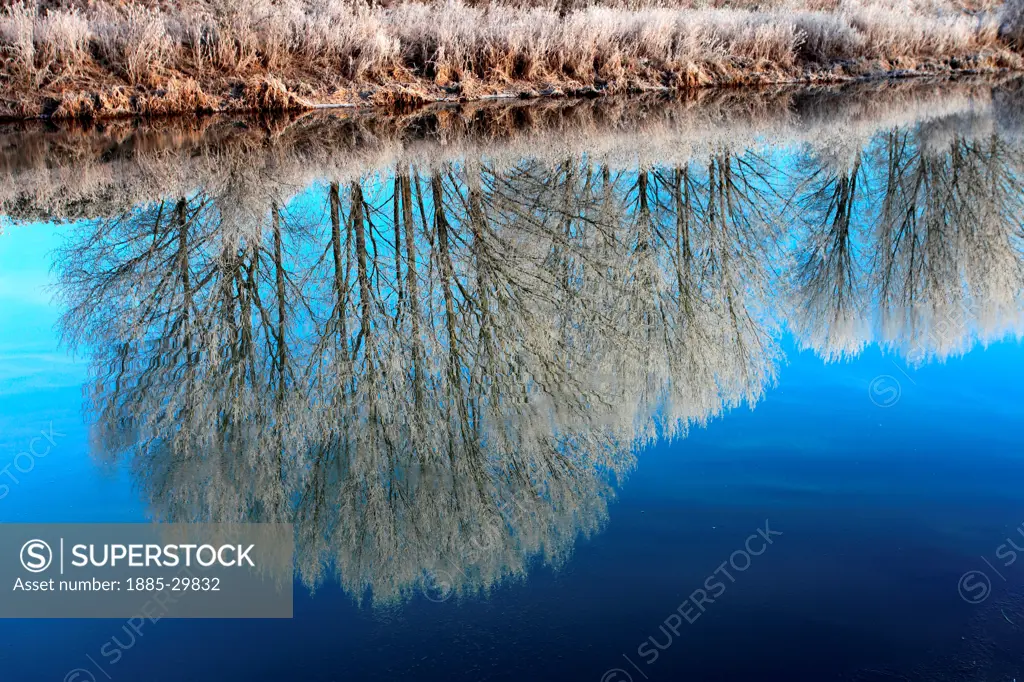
(177, 96)
(188, 95)
(399, 99)
(76, 105)
(267, 93)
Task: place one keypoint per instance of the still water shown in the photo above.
(726, 388)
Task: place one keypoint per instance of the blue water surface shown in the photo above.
(880, 510)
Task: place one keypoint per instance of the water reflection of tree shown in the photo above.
(827, 270)
(443, 370)
(948, 244)
(918, 239)
(428, 372)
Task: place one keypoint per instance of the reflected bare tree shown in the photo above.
(828, 272)
(916, 243)
(444, 369)
(436, 372)
(948, 239)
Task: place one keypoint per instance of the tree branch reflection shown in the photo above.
(446, 368)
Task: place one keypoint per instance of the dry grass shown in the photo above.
(290, 53)
(270, 94)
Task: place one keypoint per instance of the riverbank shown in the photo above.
(99, 60)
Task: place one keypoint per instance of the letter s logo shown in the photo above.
(36, 556)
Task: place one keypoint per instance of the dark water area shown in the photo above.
(724, 388)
